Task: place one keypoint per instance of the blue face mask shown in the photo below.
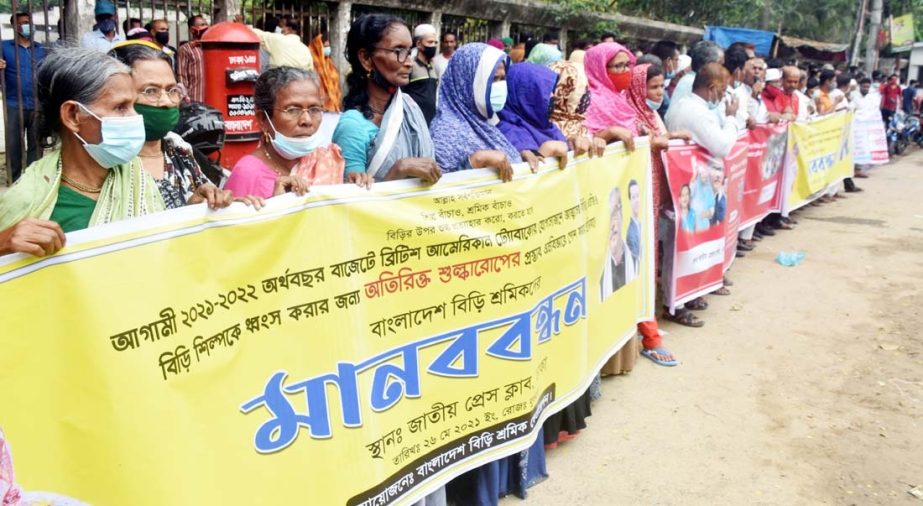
(669, 75)
(497, 96)
(123, 137)
(25, 30)
(653, 105)
(713, 105)
(292, 148)
(327, 51)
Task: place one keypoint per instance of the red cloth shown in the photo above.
(890, 97)
(637, 98)
(778, 101)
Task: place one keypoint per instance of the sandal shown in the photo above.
(722, 291)
(697, 304)
(683, 317)
(662, 352)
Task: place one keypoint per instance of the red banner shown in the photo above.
(694, 265)
(729, 195)
(763, 187)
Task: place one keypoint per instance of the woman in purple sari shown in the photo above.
(525, 120)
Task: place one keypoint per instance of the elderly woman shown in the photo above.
(289, 157)
(382, 131)
(165, 156)
(93, 177)
(472, 92)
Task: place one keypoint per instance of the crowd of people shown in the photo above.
(416, 104)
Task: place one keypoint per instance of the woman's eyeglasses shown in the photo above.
(401, 53)
(296, 112)
(153, 94)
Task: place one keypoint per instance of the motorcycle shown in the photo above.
(911, 130)
(897, 142)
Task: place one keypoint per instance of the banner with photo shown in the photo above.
(765, 160)
(870, 141)
(819, 155)
(729, 196)
(694, 262)
(347, 347)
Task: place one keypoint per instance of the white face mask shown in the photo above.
(292, 148)
(122, 139)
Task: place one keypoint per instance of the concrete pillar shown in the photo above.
(337, 32)
(562, 39)
(436, 21)
(79, 19)
(226, 10)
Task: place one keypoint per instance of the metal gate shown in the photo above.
(466, 29)
(313, 17)
(411, 18)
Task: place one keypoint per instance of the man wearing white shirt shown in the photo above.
(695, 113)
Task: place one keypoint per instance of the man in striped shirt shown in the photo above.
(190, 68)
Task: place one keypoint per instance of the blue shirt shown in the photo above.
(23, 76)
(354, 134)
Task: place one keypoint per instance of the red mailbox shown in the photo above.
(231, 54)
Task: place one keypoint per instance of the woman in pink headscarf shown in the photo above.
(608, 70)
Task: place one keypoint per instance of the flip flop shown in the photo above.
(660, 351)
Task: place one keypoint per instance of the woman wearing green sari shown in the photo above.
(93, 175)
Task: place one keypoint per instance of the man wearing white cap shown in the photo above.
(423, 78)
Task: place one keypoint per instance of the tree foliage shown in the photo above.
(824, 20)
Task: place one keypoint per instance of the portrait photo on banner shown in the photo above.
(703, 200)
(623, 253)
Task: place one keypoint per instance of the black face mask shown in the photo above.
(162, 38)
(381, 81)
(429, 52)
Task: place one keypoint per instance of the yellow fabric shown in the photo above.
(285, 50)
(820, 154)
(99, 407)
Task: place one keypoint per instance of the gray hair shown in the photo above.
(271, 82)
(705, 51)
(71, 73)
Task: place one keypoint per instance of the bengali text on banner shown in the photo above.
(819, 155)
(348, 347)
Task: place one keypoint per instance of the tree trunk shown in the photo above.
(871, 45)
(860, 26)
(767, 11)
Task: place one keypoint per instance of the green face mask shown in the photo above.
(157, 120)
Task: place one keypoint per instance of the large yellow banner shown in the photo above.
(347, 347)
(820, 154)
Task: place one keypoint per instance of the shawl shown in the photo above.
(777, 100)
(569, 97)
(544, 54)
(645, 121)
(465, 120)
(577, 56)
(128, 192)
(609, 107)
(403, 134)
(327, 72)
(525, 119)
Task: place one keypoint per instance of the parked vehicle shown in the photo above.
(897, 141)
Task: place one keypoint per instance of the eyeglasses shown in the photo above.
(401, 53)
(153, 94)
(296, 112)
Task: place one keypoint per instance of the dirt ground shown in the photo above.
(804, 387)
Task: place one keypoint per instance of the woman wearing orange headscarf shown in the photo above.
(327, 71)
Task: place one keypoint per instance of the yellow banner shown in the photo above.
(347, 347)
(902, 34)
(820, 154)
